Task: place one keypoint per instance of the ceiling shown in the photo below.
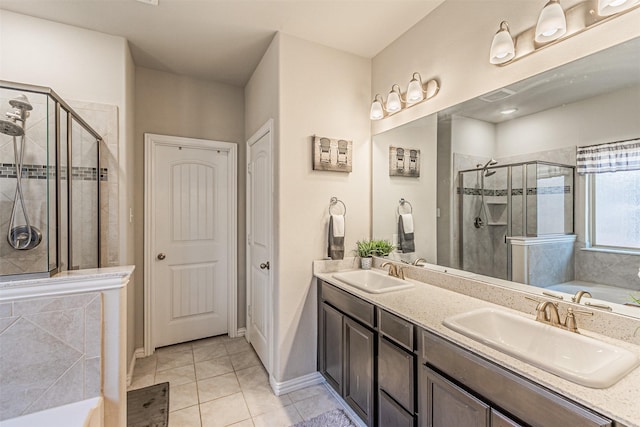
(603, 72)
(224, 40)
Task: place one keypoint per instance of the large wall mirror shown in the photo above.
(497, 195)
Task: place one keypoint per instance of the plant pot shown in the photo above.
(365, 263)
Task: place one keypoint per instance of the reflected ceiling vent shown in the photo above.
(151, 2)
(497, 95)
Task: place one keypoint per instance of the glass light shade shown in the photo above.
(394, 104)
(502, 48)
(552, 24)
(377, 111)
(611, 7)
(415, 93)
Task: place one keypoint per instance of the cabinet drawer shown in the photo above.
(391, 414)
(397, 329)
(348, 304)
(522, 398)
(396, 373)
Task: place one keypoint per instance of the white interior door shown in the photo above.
(259, 240)
(191, 237)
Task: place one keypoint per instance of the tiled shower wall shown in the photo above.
(50, 352)
(104, 119)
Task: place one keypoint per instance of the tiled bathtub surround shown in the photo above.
(49, 352)
(8, 170)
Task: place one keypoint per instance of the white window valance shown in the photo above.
(609, 157)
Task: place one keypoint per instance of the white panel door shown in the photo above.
(259, 229)
(191, 240)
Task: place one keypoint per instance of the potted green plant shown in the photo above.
(365, 250)
(382, 247)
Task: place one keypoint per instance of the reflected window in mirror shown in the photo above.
(615, 219)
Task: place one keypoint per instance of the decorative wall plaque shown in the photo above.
(332, 154)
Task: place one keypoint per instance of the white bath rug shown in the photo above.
(335, 418)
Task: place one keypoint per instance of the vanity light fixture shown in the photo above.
(417, 92)
(555, 25)
(377, 109)
(611, 7)
(502, 47)
(394, 100)
(552, 23)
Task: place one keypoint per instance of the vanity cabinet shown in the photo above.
(346, 348)
(396, 371)
(473, 388)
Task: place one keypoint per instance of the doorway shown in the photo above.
(190, 239)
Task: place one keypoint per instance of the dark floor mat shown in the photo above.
(149, 406)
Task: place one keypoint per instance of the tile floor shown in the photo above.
(220, 381)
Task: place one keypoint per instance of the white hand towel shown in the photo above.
(407, 222)
(338, 225)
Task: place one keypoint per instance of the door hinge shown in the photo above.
(248, 239)
(249, 310)
(250, 167)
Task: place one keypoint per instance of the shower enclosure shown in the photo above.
(49, 185)
(521, 204)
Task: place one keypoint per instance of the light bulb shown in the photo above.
(415, 93)
(552, 23)
(502, 48)
(394, 103)
(611, 7)
(377, 112)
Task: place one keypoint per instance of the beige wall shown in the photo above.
(170, 104)
(420, 192)
(80, 65)
(452, 44)
(308, 90)
(323, 92)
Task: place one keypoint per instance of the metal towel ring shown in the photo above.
(334, 201)
(402, 203)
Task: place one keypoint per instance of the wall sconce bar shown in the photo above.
(579, 18)
(417, 92)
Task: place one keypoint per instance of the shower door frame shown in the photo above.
(60, 104)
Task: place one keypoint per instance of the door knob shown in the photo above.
(264, 265)
(161, 256)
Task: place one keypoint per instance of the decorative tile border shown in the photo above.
(8, 170)
(532, 191)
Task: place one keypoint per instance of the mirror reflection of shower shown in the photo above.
(483, 171)
(21, 236)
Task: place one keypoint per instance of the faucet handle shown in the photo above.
(570, 320)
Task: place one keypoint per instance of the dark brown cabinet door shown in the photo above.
(331, 350)
(447, 405)
(358, 368)
(501, 420)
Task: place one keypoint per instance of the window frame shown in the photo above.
(590, 220)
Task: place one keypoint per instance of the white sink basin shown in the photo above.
(583, 360)
(372, 281)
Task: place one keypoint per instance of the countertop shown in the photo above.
(427, 306)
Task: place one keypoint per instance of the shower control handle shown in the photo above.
(161, 256)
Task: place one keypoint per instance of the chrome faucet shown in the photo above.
(419, 261)
(547, 312)
(394, 271)
(578, 296)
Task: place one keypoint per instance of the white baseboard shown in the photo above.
(346, 408)
(137, 354)
(295, 384)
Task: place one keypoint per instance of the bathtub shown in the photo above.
(602, 292)
(85, 413)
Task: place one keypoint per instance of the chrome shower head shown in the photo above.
(490, 163)
(10, 128)
(21, 102)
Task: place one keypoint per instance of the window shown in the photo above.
(613, 169)
(615, 219)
